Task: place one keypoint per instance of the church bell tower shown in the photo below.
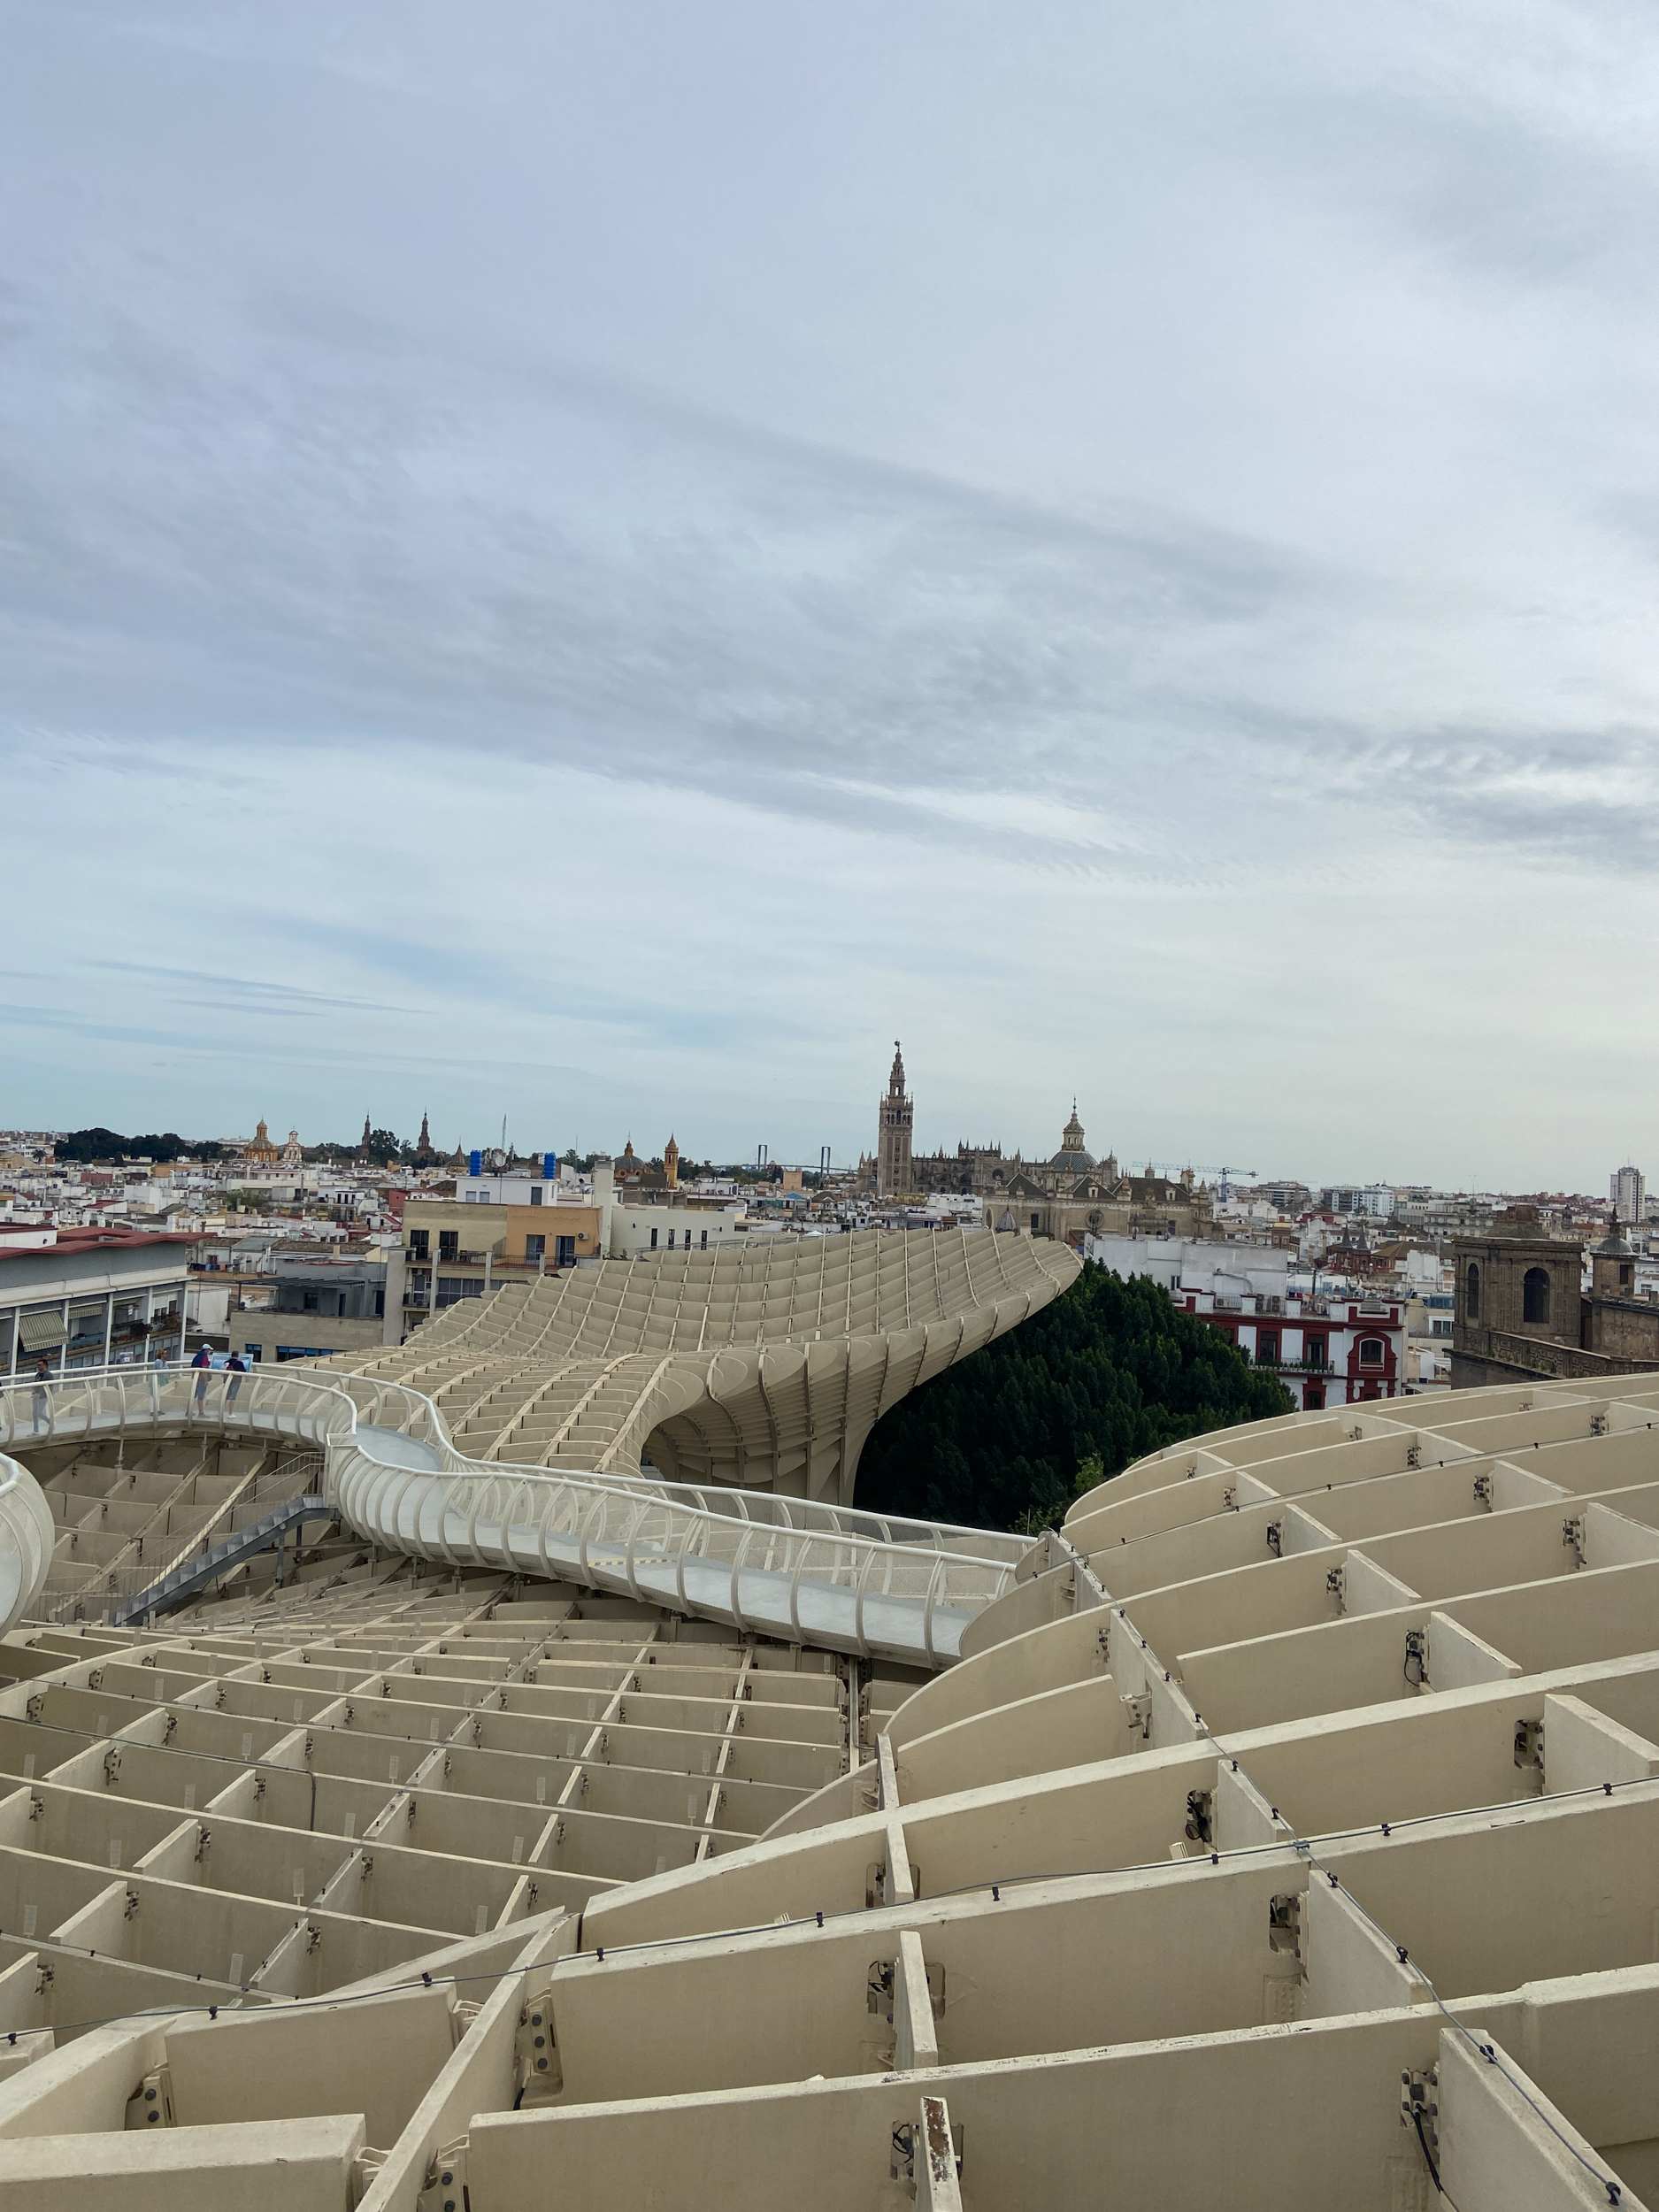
(893, 1142)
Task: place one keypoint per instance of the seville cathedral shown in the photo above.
(1070, 1196)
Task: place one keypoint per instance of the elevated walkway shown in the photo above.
(754, 1560)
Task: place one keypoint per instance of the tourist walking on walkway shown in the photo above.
(42, 1376)
(203, 1361)
(238, 1367)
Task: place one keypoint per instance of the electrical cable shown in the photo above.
(1428, 2155)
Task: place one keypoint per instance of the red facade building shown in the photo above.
(1326, 1351)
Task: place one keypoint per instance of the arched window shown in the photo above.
(1535, 1295)
(1370, 1351)
(1471, 1302)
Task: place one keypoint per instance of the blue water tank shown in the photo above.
(475, 1164)
(551, 1166)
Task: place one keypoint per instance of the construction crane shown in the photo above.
(1174, 1167)
(1225, 1175)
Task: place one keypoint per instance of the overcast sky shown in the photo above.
(599, 564)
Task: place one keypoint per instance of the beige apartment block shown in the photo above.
(1281, 1832)
(454, 1239)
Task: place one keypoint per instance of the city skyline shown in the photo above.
(533, 1142)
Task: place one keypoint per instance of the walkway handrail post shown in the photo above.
(738, 1556)
(794, 1591)
(627, 1556)
(858, 1603)
(680, 1574)
(927, 1609)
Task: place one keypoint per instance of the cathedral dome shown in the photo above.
(1072, 1158)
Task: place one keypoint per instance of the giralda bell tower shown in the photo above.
(893, 1145)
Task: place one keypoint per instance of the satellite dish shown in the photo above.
(497, 1160)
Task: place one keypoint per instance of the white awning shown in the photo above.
(41, 1331)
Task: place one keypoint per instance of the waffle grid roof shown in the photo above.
(765, 1367)
(1293, 1823)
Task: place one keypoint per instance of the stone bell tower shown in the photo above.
(893, 1140)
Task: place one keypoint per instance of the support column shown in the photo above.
(396, 1285)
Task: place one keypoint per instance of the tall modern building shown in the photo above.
(895, 1116)
(1627, 1192)
(435, 1833)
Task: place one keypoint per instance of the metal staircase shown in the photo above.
(184, 1581)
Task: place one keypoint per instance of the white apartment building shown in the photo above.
(87, 1297)
(1228, 1270)
(1627, 1193)
(1327, 1351)
(1377, 1199)
(635, 1231)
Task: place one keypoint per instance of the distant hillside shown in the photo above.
(1010, 1437)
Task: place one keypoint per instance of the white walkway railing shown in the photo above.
(779, 1566)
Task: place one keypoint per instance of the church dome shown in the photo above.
(1072, 1158)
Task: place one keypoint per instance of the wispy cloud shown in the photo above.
(572, 561)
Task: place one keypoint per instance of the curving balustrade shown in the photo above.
(27, 1537)
(756, 1561)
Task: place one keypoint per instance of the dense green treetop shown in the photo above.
(1007, 1438)
(100, 1144)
